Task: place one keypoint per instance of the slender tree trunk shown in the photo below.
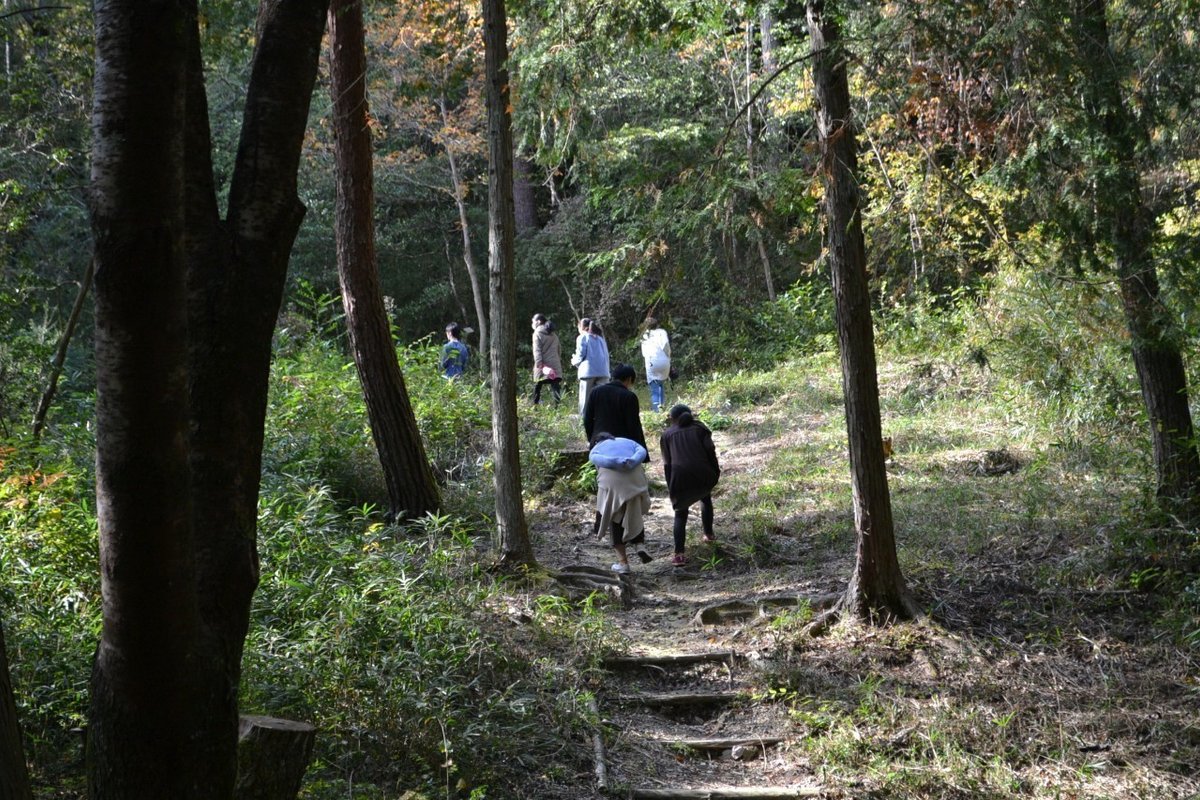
(510, 512)
(468, 257)
(185, 310)
(877, 589)
(14, 774)
(524, 208)
(412, 491)
(60, 353)
(1156, 353)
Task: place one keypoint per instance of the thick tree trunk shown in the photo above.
(146, 690)
(460, 203)
(185, 310)
(412, 490)
(524, 208)
(14, 774)
(510, 512)
(1156, 354)
(877, 588)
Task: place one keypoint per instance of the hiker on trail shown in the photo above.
(591, 357)
(547, 359)
(656, 352)
(613, 408)
(454, 352)
(622, 496)
(691, 467)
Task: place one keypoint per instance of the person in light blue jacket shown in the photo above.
(591, 358)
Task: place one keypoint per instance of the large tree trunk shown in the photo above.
(1127, 220)
(877, 589)
(146, 690)
(185, 310)
(14, 774)
(510, 512)
(412, 490)
(460, 202)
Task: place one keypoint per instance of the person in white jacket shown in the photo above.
(656, 350)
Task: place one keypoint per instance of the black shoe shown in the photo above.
(644, 556)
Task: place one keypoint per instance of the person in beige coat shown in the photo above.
(622, 496)
(547, 359)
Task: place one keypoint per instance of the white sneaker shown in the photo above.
(620, 569)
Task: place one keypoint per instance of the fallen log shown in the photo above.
(598, 749)
(273, 755)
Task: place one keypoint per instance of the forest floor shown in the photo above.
(1036, 674)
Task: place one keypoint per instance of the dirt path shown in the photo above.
(702, 729)
(1033, 677)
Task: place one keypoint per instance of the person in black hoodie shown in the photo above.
(692, 471)
(613, 408)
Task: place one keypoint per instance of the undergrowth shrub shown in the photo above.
(317, 422)
(397, 645)
(49, 595)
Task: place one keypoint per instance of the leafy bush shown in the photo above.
(49, 592)
(394, 642)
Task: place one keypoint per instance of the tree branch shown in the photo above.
(17, 12)
(754, 98)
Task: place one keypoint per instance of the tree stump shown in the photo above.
(272, 757)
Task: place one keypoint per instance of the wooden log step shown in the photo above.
(727, 793)
(720, 745)
(670, 659)
(680, 699)
(739, 610)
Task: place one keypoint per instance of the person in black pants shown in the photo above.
(692, 471)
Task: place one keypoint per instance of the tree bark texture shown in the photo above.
(510, 511)
(412, 491)
(877, 587)
(14, 773)
(1128, 223)
(185, 309)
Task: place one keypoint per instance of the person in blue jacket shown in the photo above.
(591, 358)
(454, 353)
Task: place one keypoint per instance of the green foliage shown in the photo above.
(49, 593)
(388, 638)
